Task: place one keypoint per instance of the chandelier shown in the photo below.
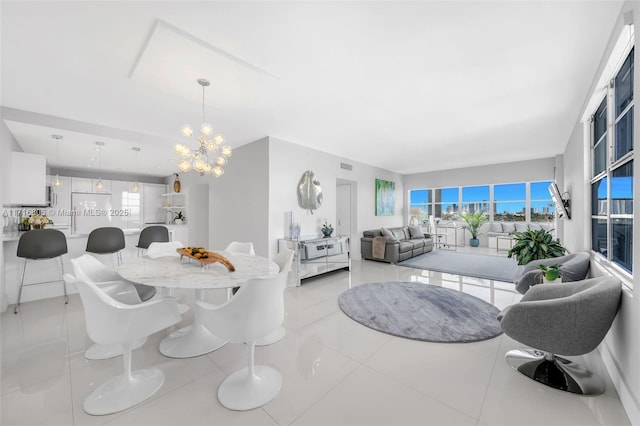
(203, 159)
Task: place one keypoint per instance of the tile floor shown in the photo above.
(336, 372)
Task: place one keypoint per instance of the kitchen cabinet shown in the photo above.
(126, 212)
(60, 209)
(88, 185)
(28, 185)
(153, 203)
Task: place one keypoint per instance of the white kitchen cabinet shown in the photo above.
(28, 179)
(88, 185)
(153, 203)
(126, 205)
(60, 209)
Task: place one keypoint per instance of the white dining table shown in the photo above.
(185, 273)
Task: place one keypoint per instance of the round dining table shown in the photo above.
(183, 272)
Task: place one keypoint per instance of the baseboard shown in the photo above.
(627, 399)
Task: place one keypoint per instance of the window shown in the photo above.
(420, 203)
(509, 201)
(541, 207)
(612, 174)
(446, 203)
(475, 198)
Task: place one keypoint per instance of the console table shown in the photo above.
(315, 255)
(442, 235)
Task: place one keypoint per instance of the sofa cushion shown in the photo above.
(400, 233)
(371, 233)
(406, 246)
(508, 227)
(387, 233)
(521, 227)
(416, 232)
(417, 242)
(495, 227)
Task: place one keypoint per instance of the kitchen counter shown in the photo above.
(66, 232)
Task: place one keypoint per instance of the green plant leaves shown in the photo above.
(533, 245)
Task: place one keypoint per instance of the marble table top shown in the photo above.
(171, 272)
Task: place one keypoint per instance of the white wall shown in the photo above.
(239, 199)
(621, 348)
(287, 163)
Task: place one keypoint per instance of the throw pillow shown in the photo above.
(388, 234)
(521, 227)
(496, 227)
(416, 232)
(508, 227)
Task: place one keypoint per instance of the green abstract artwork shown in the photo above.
(385, 197)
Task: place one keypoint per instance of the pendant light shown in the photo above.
(135, 187)
(99, 146)
(56, 181)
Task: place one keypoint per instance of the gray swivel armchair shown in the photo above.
(575, 267)
(569, 319)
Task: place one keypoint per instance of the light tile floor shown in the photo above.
(336, 372)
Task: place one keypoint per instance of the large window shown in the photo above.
(509, 201)
(541, 206)
(420, 204)
(612, 172)
(475, 198)
(447, 203)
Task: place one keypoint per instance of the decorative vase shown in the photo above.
(474, 242)
(176, 184)
(557, 280)
(37, 226)
(327, 232)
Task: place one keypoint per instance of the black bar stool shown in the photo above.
(105, 241)
(152, 234)
(37, 245)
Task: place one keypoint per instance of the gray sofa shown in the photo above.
(400, 244)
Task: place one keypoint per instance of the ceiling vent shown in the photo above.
(346, 166)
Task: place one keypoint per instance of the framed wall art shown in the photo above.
(385, 197)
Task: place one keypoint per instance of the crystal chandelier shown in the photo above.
(203, 159)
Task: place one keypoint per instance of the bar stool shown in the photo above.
(106, 240)
(37, 245)
(152, 234)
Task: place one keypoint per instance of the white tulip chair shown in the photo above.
(256, 310)
(110, 322)
(90, 269)
(284, 259)
(168, 249)
(239, 247)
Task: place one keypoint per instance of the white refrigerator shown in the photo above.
(90, 211)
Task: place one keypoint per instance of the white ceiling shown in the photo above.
(406, 86)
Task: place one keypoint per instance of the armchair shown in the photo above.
(575, 267)
(569, 319)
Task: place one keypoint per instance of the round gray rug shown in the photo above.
(421, 312)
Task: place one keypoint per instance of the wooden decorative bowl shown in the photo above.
(212, 257)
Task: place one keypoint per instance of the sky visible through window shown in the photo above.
(508, 198)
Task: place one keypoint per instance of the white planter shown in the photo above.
(556, 281)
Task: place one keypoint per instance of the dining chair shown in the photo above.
(152, 234)
(162, 249)
(88, 268)
(284, 259)
(39, 245)
(106, 240)
(167, 249)
(238, 247)
(256, 310)
(111, 322)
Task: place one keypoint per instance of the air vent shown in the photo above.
(346, 166)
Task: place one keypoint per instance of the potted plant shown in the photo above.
(474, 221)
(550, 273)
(179, 218)
(327, 229)
(533, 245)
(37, 221)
